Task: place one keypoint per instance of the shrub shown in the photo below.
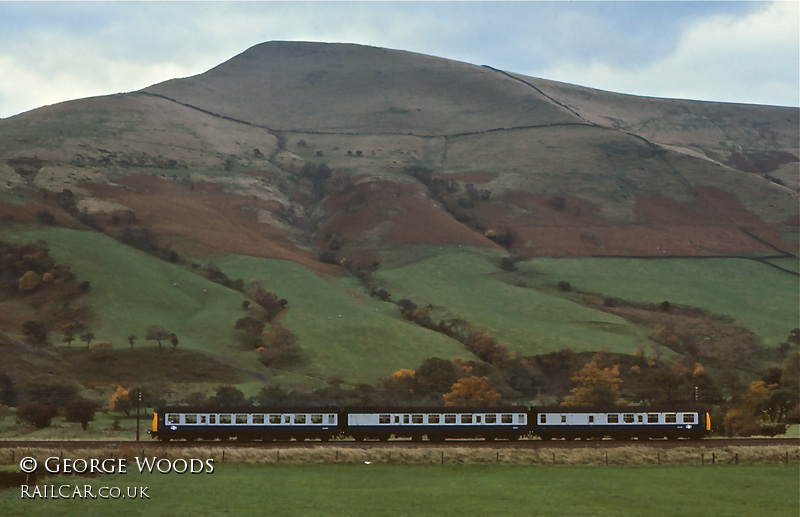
(37, 414)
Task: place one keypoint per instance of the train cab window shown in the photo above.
(173, 419)
(449, 419)
(224, 419)
(628, 418)
(190, 419)
(274, 419)
(689, 418)
(300, 419)
(491, 419)
(316, 419)
(384, 419)
(258, 419)
(670, 418)
(652, 418)
(416, 419)
(466, 419)
(241, 419)
(613, 418)
(433, 419)
(506, 419)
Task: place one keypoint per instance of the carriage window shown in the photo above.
(190, 419)
(628, 418)
(384, 419)
(241, 419)
(670, 418)
(613, 419)
(274, 419)
(506, 419)
(224, 419)
(591, 419)
(449, 419)
(563, 419)
(491, 419)
(258, 419)
(466, 419)
(406, 419)
(433, 419)
(173, 419)
(652, 418)
(203, 419)
(332, 419)
(316, 419)
(521, 418)
(542, 418)
(416, 419)
(300, 419)
(689, 418)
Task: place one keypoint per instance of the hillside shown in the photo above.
(348, 180)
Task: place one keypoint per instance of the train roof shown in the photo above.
(670, 408)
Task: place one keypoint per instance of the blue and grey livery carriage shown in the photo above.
(436, 423)
(621, 422)
(285, 423)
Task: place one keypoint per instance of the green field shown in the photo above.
(438, 490)
(757, 296)
(345, 333)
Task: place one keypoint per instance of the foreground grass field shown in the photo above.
(436, 490)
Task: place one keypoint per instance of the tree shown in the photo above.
(121, 401)
(472, 391)
(87, 337)
(173, 340)
(81, 410)
(595, 385)
(435, 376)
(749, 413)
(36, 331)
(69, 337)
(227, 397)
(29, 281)
(157, 333)
(131, 340)
(37, 414)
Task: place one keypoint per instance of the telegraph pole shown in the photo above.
(138, 405)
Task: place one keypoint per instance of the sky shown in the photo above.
(744, 52)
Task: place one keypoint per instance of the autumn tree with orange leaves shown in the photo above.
(596, 384)
(472, 391)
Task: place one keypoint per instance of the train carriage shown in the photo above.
(435, 423)
(259, 423)
(622, 423)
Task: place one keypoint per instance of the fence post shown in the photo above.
(659, 457)
(554, 458)
(736, 459)
(498, 457)
(442, 463)
(713, 458)
(702, 458)
(606, 459)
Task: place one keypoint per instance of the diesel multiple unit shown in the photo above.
(433, 423)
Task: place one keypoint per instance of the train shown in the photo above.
(435, 424)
